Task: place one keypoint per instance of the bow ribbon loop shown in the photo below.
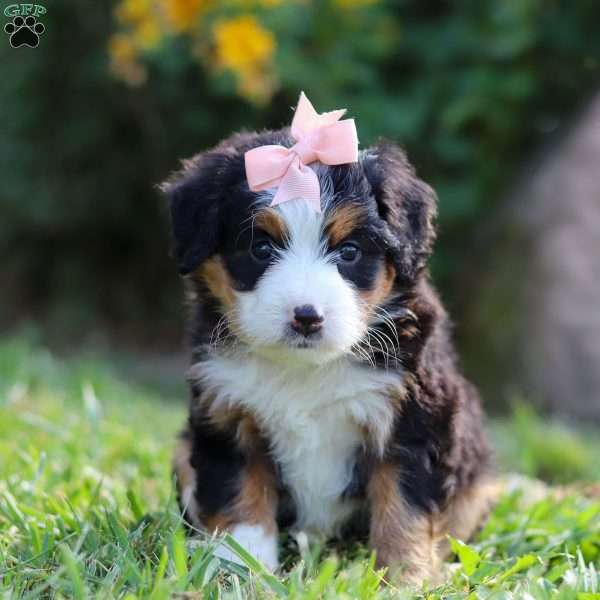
(318, 137)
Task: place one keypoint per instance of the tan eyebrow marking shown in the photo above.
(271, 222)
(343, 221)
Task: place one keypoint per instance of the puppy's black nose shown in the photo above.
(307, 320)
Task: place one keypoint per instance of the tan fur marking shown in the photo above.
(382, 288)
(217, 279)
(270, 221)
(248, 434)
(186, 480)
(408, 330)
(226, 417)
(469, 510)
(186, 476)
(258, 497)
(222, 417)
(218, 523)
(343, 221)
(405, 541)
(256, 502)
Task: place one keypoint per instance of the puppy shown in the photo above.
(325, 394)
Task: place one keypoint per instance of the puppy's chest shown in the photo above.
(316, 421)
(316, 451)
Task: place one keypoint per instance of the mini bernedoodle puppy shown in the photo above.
(325, 392)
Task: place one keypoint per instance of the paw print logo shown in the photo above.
(24, 32)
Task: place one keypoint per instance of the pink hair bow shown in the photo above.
(318, 137)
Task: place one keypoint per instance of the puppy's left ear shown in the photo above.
(408, 206)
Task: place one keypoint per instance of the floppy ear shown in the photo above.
(407, 205)
(195, 198)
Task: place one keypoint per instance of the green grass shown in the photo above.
(87, 508)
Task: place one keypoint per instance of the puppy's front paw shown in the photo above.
(257, 540)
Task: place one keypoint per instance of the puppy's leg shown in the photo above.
(404, 538)
(253, 514)
(221, 489)
(468, 510)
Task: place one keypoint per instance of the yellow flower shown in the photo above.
(182, 15)
(124, 60)
(121, 48)
(242, 44)
(147, 33)
(132, 11)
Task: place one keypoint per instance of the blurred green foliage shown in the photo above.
(469, 88)
(550, 450)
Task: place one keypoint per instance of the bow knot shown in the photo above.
(318, 137)
(305, 152)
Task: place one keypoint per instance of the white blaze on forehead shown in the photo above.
(305, 229)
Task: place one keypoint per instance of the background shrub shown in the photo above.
(118, 91)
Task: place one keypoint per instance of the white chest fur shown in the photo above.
(314, 417)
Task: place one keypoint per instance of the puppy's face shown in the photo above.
(290, 283)
(304, 283)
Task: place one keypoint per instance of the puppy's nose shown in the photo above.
(307, 320)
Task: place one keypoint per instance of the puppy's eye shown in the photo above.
(262, 251)
(349, 252)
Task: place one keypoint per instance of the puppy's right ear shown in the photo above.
(195, 194)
